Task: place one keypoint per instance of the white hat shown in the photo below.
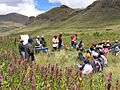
(108, 41)
(103, 41)
(42, 36)
(116, 40)
(38, 36)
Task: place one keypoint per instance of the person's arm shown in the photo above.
(31, 49)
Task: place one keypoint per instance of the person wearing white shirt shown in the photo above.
(55, 42)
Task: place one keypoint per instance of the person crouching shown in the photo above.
(86, 67)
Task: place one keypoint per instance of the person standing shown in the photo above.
(43, 42)
(37, 42)
(75, 40)
(60, 41)
(30, 50)
(72, 41)
(55, 42)
(22, 49)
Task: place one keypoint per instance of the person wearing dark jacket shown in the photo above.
(60, 41)
(22, 49)
(43, 42)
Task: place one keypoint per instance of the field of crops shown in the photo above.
(57, 71)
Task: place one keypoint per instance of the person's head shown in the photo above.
(88, 51)
(116, 41)
(108, 41)
(55, 36)
(103, 41)
(76, 35)
(21, 40)
(60, 33)
(86, 61)
(101, 53)
(38, 37)
(94, 44)
(30, 40)
(91, 48)
(104, 46)
(81, 41)
(42, 37)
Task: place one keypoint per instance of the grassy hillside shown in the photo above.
(7, 28)
(98, 16)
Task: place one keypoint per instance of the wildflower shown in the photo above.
(59, 77)
(26, 81)
(110, 76)
(23, 76)
(117, 85)
(1, 77)
(33, 83)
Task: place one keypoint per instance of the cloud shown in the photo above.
(74, 3)
(10, 2)
(25, 7)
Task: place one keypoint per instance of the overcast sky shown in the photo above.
(35, 7)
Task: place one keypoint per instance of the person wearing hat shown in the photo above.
(37, 42)
(108, 44)
(116, 47)
(21, 48)
(30, 50)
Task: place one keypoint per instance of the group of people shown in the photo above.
(40, 42)
(27, 51)
(57, 42)
(95, 58)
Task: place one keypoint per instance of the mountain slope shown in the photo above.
(100, 13)
(54, 15)
(14, 17)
